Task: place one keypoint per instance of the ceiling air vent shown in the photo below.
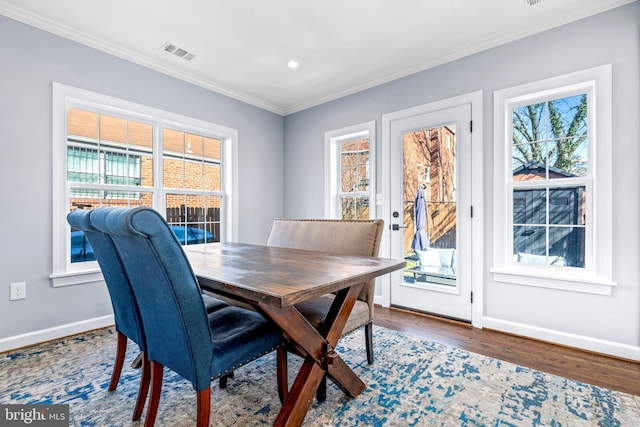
(178, 51)
(529, 3)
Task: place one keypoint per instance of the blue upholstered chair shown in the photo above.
(125, 312)
(128, 323)
(182, 336)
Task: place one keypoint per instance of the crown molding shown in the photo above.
(283, 110)
(131, 56)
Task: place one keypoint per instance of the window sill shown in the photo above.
(588, 285)
(76, 278)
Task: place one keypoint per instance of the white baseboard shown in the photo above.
(611, 348)
(377, 299)
(35, 337)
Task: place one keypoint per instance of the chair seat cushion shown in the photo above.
(212, 304)
(239, 336)
(315, 311)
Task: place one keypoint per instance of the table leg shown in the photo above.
(296, 405)
(320, 358)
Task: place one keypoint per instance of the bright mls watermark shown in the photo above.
(34, 415)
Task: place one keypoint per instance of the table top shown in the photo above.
(280, 276)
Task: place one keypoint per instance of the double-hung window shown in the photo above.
(553, 183)
(349, 187)
(110, 152)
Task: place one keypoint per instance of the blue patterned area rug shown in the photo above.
(413, 382)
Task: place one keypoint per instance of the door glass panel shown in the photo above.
(430, 206)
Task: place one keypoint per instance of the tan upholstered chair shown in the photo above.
(361, 237)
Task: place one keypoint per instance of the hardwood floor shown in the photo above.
(579, 365)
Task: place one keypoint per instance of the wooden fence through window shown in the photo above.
(206, 219)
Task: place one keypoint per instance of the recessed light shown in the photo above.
(292, 64)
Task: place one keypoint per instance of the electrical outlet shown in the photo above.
(18, 291)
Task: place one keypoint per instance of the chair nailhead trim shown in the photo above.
(233, 368)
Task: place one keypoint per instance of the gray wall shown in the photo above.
(30, 61)
(611, 37)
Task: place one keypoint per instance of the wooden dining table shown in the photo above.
(272, 280)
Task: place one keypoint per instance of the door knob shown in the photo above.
(396, 227)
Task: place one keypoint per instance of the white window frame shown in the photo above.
(66, 273)
(332, 190)
(596, 276)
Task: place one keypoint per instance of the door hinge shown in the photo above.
(471, 211)
(471, 126)
(471, 298)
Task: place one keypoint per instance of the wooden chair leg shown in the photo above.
(321, 393)
(143, 389)
(282, 373)
(137, 362)
(154, 396)
(204, 407)
(121, 349)
(223, 380)
(368, 336)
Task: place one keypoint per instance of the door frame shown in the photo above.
(477, 221)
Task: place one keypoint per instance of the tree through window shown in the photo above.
(550, 145)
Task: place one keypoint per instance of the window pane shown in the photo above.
(81, 250)
(83, 198)
(568, 116)
(529, 244)
(567, 206)
(191, 161)
(568, 158)
(530, 123)
(82, 123)
(194, 219)
(355, 208)
(567, 244)
(113, 129)
(529, 161)
(82, 165)
(354, 159)
(529, 207)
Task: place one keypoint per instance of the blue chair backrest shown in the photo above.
(125, 310)
(166, 289)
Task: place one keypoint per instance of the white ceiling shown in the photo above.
(343, 46)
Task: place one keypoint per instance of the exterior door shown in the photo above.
(430, 201)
